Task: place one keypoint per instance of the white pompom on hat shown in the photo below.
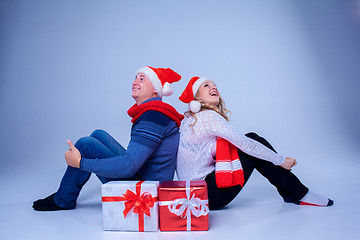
(161, 78)
(195, 106)
(188, 95)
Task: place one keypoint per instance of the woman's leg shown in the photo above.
(286, 183)
(74, 178)
(220, 197)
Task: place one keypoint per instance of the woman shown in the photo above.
(210, 149)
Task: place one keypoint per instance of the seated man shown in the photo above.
(150, 155)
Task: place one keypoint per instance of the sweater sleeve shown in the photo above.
(215, 124)
(145, 138)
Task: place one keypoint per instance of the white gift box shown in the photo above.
(130, 205)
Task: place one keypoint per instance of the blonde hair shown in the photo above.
(220, 109)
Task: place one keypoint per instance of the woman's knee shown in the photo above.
(259, 139)
(253, 135)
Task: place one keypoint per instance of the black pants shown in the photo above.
(287, 184)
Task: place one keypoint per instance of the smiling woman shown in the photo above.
(211, 149)
(206, 96)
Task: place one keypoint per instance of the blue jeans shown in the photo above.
(98, 145)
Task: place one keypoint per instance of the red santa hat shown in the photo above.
(188, 95)
(161, 78)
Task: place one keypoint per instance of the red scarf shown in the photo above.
(137, 110)
(228, 169)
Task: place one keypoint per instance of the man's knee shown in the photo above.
(82, 142)
(97, 133)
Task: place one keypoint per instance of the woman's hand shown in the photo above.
(289, 163)
(73, 156)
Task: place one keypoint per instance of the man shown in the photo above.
(150, 155)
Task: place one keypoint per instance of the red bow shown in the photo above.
(141, 203)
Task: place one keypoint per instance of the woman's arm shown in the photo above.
(216, 125)
(289, 163)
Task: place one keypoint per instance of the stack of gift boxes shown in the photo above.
(142, 205)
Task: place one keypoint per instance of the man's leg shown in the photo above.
(74, 178)
(106, 139)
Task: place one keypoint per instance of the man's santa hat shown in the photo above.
(188, 96)
(161, 78)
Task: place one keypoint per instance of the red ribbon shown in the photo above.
(141, 203)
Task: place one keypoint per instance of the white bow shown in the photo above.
(193, 206)
(189, 206)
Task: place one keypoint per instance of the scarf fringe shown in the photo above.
(228, 169)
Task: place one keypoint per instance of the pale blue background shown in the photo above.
(288, 70)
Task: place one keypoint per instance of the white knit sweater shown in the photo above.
(197, 147)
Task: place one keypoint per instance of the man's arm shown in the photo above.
(145, 138)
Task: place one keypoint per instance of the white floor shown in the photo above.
(257, 213)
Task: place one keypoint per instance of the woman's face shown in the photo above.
(208, 93)
(142, 88)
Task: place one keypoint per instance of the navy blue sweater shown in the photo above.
(150, 155)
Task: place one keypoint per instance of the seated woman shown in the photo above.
(211, 149)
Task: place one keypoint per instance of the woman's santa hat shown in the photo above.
(161, 78)
(188, 96)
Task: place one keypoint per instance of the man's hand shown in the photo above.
(289, 163)
(73, 156)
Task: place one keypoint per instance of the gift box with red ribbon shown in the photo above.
(130, 205)
(183, 206)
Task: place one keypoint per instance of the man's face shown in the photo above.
(142, 88)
